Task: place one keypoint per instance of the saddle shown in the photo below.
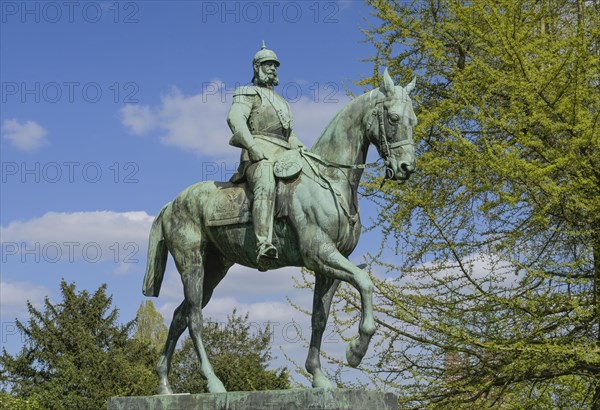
(231, 204)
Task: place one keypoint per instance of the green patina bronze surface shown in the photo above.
(307, 217)
(330, 399)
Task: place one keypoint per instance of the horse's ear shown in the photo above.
(388, 83)
(411, 85)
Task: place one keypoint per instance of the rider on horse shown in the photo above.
(261, 122)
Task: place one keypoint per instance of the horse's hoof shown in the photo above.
(164, 389)
(215, 386)
(320, 381)
(354, 353)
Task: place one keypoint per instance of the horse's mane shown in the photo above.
(373, 96)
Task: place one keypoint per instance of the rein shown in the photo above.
(335, 164)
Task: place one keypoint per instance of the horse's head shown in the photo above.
(390, 128)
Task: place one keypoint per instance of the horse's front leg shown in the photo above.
(325, 258)
(325, 288)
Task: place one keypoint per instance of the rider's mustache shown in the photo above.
(268, 77)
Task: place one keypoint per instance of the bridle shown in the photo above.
(384, 147)
(386, 127)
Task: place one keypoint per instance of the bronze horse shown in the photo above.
(317, 227)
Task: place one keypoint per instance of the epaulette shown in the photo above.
(245, 90)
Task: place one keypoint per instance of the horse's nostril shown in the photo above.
(408, 168)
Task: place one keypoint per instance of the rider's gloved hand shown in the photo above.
(257, 153)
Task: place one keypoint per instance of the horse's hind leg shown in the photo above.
(215, 269)
(188, 248)
(193, 280)
(178, 325)
(325, 288)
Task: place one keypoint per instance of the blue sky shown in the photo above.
(109, 109)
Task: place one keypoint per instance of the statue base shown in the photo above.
(330, 399)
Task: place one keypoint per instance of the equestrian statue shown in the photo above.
(285, 206)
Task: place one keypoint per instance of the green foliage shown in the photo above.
(150, 327)
(494, 298)
(239, 357)
(76, 355)
(8, 401)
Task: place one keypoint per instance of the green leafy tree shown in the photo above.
(494, 297)
(238, 355)
(76, 355)
(150, 326)
(8, 401)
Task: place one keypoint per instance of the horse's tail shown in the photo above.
(157, 257)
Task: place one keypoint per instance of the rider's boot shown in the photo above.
(262, 217)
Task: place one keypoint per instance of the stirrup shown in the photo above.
(266, 250)
(266, 253)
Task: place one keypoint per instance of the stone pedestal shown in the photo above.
(297, 399)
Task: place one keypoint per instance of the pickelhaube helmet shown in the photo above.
(264, 54)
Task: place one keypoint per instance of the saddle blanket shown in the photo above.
(229, 205)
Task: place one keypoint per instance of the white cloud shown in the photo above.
(13, 304)
(197, 123)
(14, 294)
(138, 119)
(100, 235)
(260, 312)
(27, 136)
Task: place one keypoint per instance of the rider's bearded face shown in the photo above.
(267, 74)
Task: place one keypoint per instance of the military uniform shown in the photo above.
(259, 116)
